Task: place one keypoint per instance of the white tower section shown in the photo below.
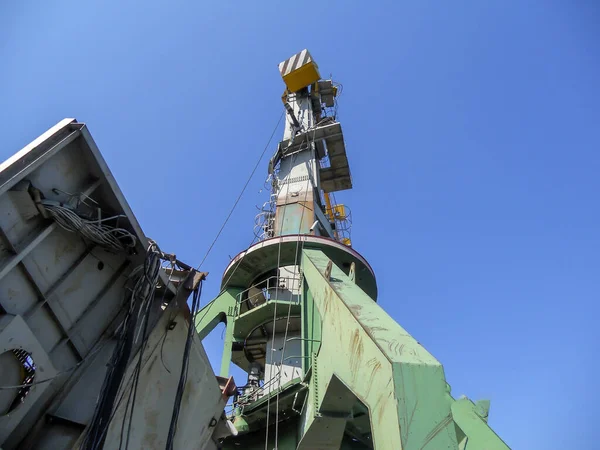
(297, 179)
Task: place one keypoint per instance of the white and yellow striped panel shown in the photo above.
(295, 62)
(299, 71)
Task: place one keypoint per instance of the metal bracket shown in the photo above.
(328, 270)
(192, 282)
(352, 273)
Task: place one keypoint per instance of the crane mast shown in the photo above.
(327, 368)
(97, 333)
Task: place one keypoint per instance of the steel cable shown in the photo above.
(241, 193)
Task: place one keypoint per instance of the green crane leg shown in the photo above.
(221, 309)
(365, 353)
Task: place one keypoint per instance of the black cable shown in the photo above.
(162, 344)
(124, 390)
(149, 264)
(242, 192)
(137, 378)
(110, 388)
(140, 300)
(122, 435)
(184, 369)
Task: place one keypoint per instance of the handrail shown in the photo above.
(266, 288)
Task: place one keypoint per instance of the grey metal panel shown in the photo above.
(72, 297)
(28, 244)
(47, 274)
(53, 257)
(79, 402)
(16, 227)
(202, 398)
(86, 331)
(64, 357)
(69, 293)
(45, 327)
(333, 181)
(59, 436)
(63, 171)
(17, 296)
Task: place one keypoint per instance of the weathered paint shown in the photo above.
(471, 419)
(349, 354)
(401, 383)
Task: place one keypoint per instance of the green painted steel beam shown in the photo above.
(222, 309)
(471, 419)
(364, 351)
(311, 328)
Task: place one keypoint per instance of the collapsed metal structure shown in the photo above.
(99, 349)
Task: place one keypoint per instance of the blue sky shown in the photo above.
(473, 138)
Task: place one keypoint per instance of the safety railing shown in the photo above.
(272, 288)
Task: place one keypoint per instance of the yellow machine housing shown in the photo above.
(299, 71)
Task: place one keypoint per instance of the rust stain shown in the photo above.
(436, 430)
(356, 309)
(375, 366)
(380, 409)
(356, 352)
(328, 298)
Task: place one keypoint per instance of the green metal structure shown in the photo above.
(327, 367)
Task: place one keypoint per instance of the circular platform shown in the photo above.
(262, 257)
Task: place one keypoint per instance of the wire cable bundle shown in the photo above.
(96, 231)
(138, 311)
(184, 370)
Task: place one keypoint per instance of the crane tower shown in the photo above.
(327, 368)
